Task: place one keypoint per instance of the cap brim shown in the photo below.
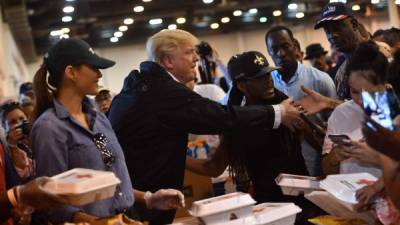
(321, 22)
(263, 72)
(100, 63)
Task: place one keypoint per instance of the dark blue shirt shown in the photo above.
(60, 143)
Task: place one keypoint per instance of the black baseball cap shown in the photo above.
(314, 50)
(249, 65)
(25, 87)
(333, 11)
(73, 51)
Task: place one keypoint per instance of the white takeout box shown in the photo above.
(336, 207)
(269, 214)
(82, 186)
(295, 185)
(345, 186)
(223, 208)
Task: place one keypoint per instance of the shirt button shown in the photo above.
(120, 194)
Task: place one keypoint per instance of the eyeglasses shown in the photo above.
(100, 140)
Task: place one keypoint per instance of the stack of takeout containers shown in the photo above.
(238, 208)
(83, 186)
(336, 194)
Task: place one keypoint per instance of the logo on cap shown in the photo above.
(259, 60)
(329, 10)
(91, 50)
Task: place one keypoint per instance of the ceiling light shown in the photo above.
(343, 1)
(128, 21)
(355, 7)
(146, 0)
(123, 28)
(397, 2)
(374, 1)
(155, 21)
(118, 34)
(237, 12)
(225, 20)
(263, 19)
(277, 13)
(70, 0)
(114, 39)
(66, 19)
(65, 30)
(172, 27)
(208, 1)
(56, 33)
(214, 26)
(64, 36)
(68, 9)
(299, 15)
(253, 11)
(292, 6)
(181, 20)
(138, 8)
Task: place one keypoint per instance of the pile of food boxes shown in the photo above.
(239, 208)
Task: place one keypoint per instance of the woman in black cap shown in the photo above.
(261, 155)
(68, 133)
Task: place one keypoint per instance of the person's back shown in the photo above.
(135, 115)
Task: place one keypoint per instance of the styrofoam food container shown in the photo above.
(82, 186)
(295, 185)
(269, 214)
(223, 208)
(345, 186)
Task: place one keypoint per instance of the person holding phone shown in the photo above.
(367, 70)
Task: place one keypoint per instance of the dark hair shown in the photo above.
(6, 108)
(391, 36)
(103, 93)
(44, 93)
(367, 57)
(393, 72)
(378, 33)
(279, 28)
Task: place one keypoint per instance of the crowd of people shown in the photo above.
(260, 120)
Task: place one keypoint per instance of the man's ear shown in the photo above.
(167, 62)
(241, 87)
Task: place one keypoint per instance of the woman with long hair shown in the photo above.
(68, 133)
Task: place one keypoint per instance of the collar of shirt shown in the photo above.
(87, 107)
(293, 79)
(173, 77)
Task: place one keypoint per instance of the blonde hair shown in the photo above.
(166, 42)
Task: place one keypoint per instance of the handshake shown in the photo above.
(291, 114)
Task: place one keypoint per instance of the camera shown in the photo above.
(204, 49)
(25, 127)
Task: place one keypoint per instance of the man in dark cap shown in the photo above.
(258, 156)
(343, 32)
(155, 111)
(317, 56)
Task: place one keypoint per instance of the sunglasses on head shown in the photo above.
(100, 140)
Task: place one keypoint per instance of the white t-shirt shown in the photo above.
(347, 119)
(210, 91)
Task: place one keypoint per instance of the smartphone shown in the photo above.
(381, 106)
(340, 139)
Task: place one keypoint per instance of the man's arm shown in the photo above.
(185, 111)
(212, 167)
